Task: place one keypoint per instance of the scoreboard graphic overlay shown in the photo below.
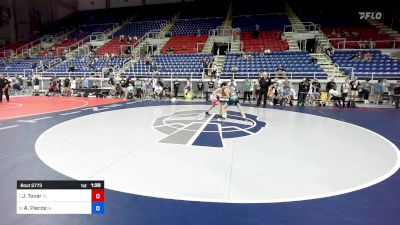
(60, 197)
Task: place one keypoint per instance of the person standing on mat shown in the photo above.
(264, 82)
(215, 99)
(176, 88)
(4, 87)
(233, 96)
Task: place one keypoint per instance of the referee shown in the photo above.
(264, 82)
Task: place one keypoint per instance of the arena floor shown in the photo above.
(169, 164)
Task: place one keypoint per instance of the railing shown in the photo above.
(198, 46)
(54, 62)
(47, 41)
(27, 46)
(289, 75)
(7, 53)
(72, 74)
(309, 26)
(345, 68)
(59, 36)
(138, 42)
(126, 62)
(378, 75)
(171, 75)
(114, 25)
(221, 31)
(97, 36)
(78, 44)
(24, 73)
(390, 44)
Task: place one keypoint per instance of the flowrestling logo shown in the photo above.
(370, 15)
(193, 127)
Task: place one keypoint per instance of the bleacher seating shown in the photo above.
(140, 28)
(184, 44)
(266, 40)
(380, 65)
(295, 64)
(194, 26)
(269, 25)
(177, 65)
(265, 22)
(13, 46)
(364, 33)
(113, 46)
(23, 65)
(81, 65)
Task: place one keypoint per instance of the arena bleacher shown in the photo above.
(295, 64)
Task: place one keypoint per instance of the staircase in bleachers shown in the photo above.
(170, 65)
(380, 66)
(296, 65)
(387, 30)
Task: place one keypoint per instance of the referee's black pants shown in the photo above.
(5, 93)
(263, 92)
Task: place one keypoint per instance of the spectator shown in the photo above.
(188, 86)
(354, 91)
(95, 85)
(329, 51)
(67, 87)
(234, 34)
(345, 89)
(256, 89)
(130, 91)
(314, 60)
(315, 91)
(330, 85)
(153, 67)
(368, 56)
(386, 91)
(200, 88)
(365, 89)
(378, 90)
(158, 92)
(4, 87)
(286, 95)
(304, 89)
(334, 95)
(167, 91)
(139, 89)
(356, 56)
(36, 86)
(214, 70)
(256, 32)
(280, 72)
(247, 90)
(232, 82)
(396, 94)
(234, 70)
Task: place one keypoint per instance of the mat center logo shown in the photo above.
(195, 128)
